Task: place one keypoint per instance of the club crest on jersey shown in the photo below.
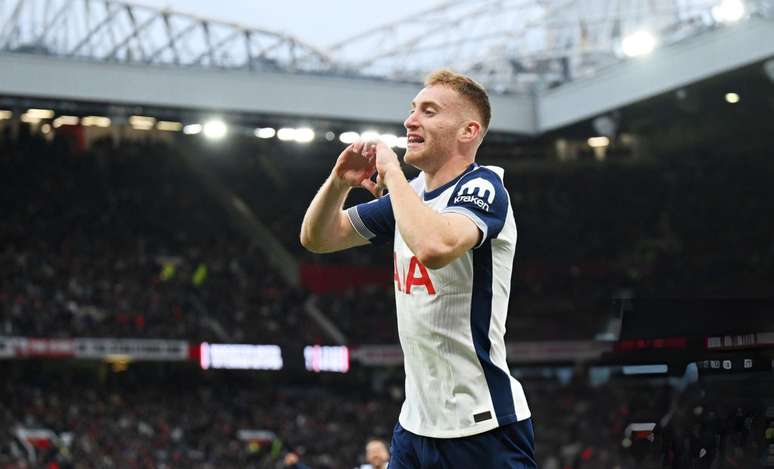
(476, 191)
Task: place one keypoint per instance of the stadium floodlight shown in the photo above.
(65, 120)
(215, 129)
(598, 142)
(5, 114)
(390, 139)
(95, 121)
(286, 134)
(402, 142)
(30, 119)
(370, 136)
(732, 98)
(169, 126)
(304, 135)
(265, 132)
(728, 11)
(638, 44)
(192, 129)
(40, 113)
(349, 137)
(142, 122)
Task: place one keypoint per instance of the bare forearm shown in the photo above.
(421, 227)
(322, 219)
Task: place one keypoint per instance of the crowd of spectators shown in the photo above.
(116, 242)
(119, 240)
(149, 425)
(122, 240)
(684, 225)
(710, 424)
(184, 421)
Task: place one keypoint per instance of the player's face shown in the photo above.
(376, 454)
(432, 126)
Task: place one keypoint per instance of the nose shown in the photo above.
(411, 122)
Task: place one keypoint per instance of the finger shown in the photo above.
(370, 186)
(369, 148)
(346, 151)
(357, 147)
(380, 145)
(384, 149)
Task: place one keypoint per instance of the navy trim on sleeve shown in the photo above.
(374, 220)
(481, 196)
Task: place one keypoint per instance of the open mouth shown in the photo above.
(415, 140)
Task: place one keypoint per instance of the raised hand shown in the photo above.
(385, 160)
(355, 166)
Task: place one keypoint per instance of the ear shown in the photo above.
(470, 132)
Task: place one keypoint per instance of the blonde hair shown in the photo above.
(468, 88)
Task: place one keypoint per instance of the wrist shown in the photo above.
(393, 173)
(338, 184)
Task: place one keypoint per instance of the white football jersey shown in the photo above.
(451, 321)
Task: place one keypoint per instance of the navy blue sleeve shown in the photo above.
(374, 220)
(481, 196)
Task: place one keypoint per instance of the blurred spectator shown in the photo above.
(377, 454)
(292, 461)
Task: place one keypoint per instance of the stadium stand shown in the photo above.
(142, 419)
(125, 247)
(128, 254)
(162, 255)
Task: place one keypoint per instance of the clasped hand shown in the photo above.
(360, 161)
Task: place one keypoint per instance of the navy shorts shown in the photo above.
(506, 447)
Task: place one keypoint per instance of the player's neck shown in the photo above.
(445, 173)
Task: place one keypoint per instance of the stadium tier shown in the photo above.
(162, 417)
(128, 243)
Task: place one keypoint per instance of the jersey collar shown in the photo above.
(439, 190)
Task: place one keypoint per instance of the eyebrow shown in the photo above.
(426, 104)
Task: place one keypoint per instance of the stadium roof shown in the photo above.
(554, 62)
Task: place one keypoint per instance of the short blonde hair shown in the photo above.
(468, 88)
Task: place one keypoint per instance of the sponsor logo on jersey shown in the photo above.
(416, 276)
(479, 192)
